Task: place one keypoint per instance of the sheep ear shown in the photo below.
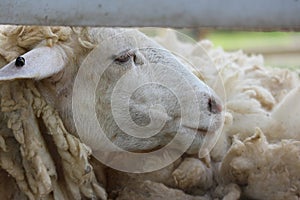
(41, 62)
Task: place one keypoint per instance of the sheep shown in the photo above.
(43, 66)
(255, 157)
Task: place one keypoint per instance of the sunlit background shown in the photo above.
(280, 49)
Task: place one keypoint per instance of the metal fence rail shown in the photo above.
(240, 14)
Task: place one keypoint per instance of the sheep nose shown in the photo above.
(213, 106)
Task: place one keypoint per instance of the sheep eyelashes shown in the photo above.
(20, 62)
(125, 56)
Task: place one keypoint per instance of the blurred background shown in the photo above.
(280, 49)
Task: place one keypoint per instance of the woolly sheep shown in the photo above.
(253, 95)
(44, 62)
(53, 57)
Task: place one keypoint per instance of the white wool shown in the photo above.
(263, 170)
(192, 174)
(255, 96)
(252, 90)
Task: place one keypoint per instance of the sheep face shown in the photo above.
(141, 94)
(146, 96)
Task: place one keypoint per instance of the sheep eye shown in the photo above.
(20, 62)
(125, 57)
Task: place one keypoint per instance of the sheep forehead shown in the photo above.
(122, 39)
(112, 42)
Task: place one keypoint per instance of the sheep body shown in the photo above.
(256, 96)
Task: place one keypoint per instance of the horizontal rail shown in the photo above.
(229, 14)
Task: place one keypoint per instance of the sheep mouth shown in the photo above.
(148, 150)
(203, 132)
(199, 130)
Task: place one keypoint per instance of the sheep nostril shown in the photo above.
(213, 106)
(138, 58)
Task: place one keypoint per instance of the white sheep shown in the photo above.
(247, 162)
(53, 57)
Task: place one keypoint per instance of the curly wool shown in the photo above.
(24, 154)
(31, 162)
(16, 40)
(259, 148)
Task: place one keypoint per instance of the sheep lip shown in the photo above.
(147, 150)
(198, 130)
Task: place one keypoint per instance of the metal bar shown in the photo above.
(238, 14)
